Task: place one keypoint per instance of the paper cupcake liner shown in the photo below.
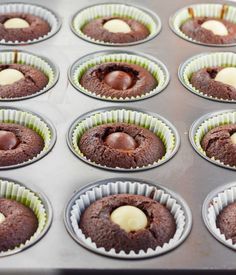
(144, 16)
(39, 205)
(173, 202)
(155, 67)
(208, 10)
(41, 63)
(153, 122)
(205, 60)
(213, 204)
(30, 120)
(203, 125)
(44, 13)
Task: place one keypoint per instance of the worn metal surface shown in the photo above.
(60, 172)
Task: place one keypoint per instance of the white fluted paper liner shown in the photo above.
(220, 201)
(157, 69)
(144, 120)
(122, 10)
(14, 191)
(126, 187)
(36, 10)
(207, 10)
(222, 59)
(213, 122)
(7, 57)
(30, 121)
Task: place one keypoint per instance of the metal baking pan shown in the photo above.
(60, 173)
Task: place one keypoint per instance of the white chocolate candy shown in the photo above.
(16, 23)
(227, 76)
(216, 27)
(233, 138)
(129, 218)
(117, 25)
(2, 218)
(9, 76)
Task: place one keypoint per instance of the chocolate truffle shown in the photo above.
(17, 80)
(218, 82)
(127, 223)
(18, 144)
(18, 224)
(121, 145)
(22, 27)
(220, 144)
(116, 30)
(226, 222)
(118, 80)
(210, 30)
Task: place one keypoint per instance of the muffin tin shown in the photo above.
(60, 173)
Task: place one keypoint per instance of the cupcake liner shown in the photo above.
(155, 123)
(39, 62)
(208, 10)
(154, 66)
(213, 204)
(88, 195)
(144, 16)
(37, 202)
(30, 120)
(37, 10)
(203, 125)
(197, 62)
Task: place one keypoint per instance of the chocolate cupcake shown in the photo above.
(18, 144)
(22, 27)
(207, 24)
(115, 24)
(137, 221)
(18, 223)
(118, 80)
(226, 222)
(147, 219)
(17, 80)
(116, 30)
(218, 82)
(121, 145)
(210, 30)
(220, 143)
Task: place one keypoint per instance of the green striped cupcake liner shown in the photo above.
(206, 123)
(37, 202)
(154, 66)
(205, 60)
(30, 120)
(201, 10)
(153, 122)
(41, 63)
(144, 16)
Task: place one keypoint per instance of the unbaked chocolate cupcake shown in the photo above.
(210, 24)
(115, 24)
